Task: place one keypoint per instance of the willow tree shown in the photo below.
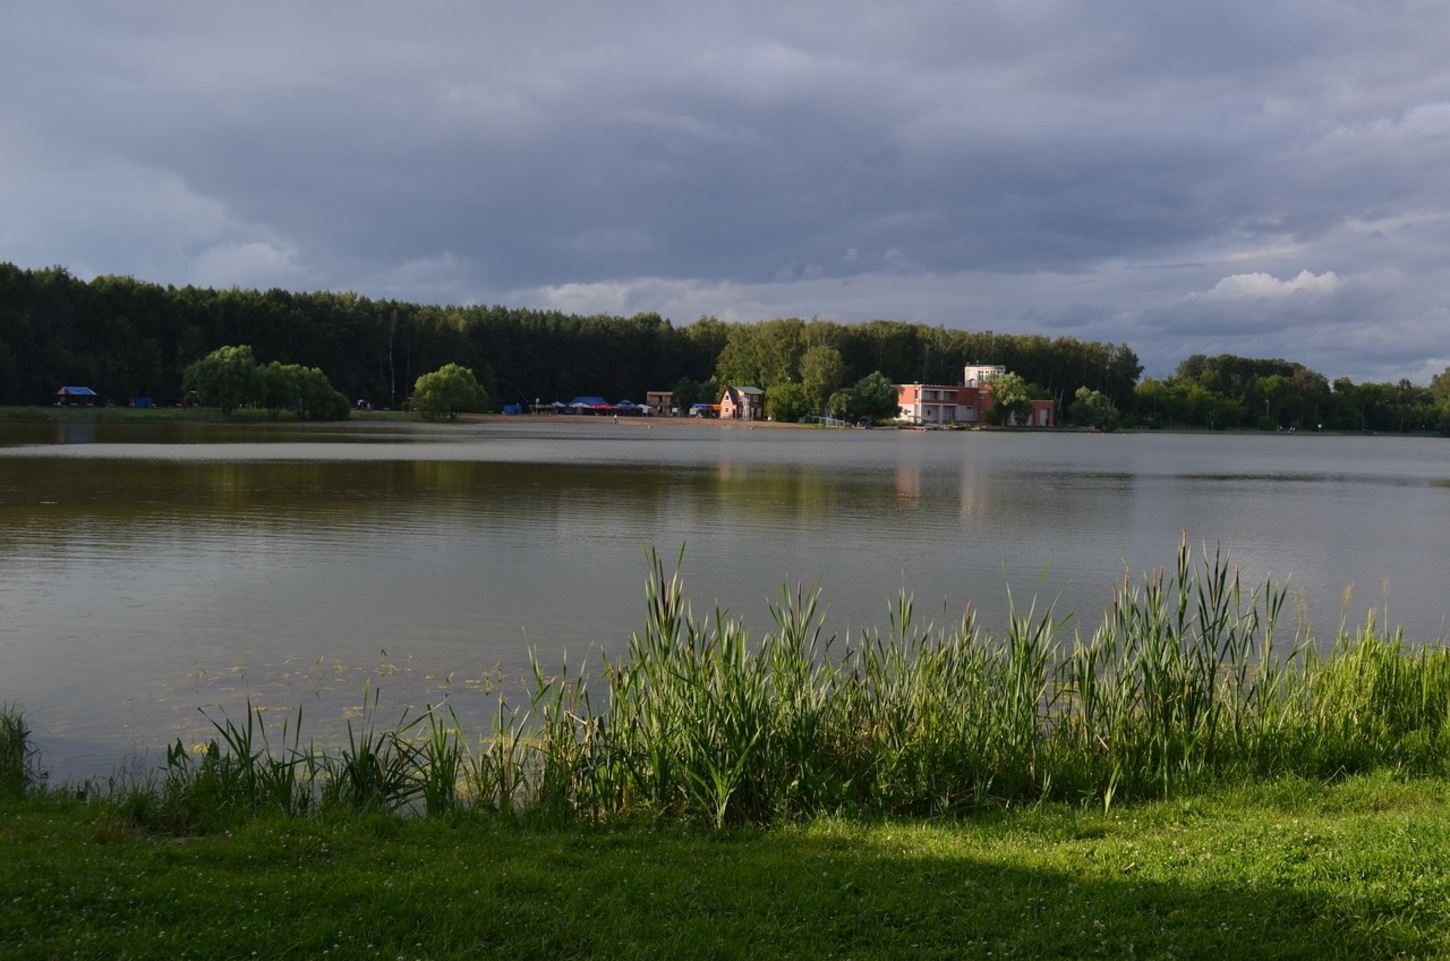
(447, 392)
(228, 378)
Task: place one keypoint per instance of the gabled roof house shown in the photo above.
(742, 403)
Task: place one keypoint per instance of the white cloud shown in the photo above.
(1239, 286)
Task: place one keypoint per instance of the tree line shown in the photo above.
(1229, 392)
(128, 338)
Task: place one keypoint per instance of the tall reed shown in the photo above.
(418, 765)
(1187, 679)
(237, 775)
(19, 759)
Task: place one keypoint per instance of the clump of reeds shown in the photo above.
(419, 765)
(19, 759)
(1188, 679)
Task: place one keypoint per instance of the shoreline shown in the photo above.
(36, 414)
(650, 422)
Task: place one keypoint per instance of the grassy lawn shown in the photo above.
(1289, 869)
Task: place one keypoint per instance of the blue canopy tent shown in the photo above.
(76, 395)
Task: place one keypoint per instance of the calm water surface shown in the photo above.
(147, 571)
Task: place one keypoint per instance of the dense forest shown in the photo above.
(126, 338)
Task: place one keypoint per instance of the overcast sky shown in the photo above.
(1266, 178)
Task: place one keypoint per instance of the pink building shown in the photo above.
(742, 403)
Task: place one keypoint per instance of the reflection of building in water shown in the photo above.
(908, 483)
(931, 488)
(727, 471)
(75, 432)
(966, 403)
(975, 494)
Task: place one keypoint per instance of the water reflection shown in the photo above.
(75, 432)
(908, 484)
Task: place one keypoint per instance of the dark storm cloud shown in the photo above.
(1022, 165)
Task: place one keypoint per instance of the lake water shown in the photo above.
(147, 571)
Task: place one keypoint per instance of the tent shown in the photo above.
(76, 395)
(589, 405)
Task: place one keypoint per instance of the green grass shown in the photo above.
(1283, 869)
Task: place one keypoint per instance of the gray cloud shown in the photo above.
(1099, 169)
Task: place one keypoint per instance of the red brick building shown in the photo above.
(966, 403)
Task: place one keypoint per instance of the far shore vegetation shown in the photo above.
(318, 355)
(259, 416)
(1193, 778)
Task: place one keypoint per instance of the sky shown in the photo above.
(1266, 178)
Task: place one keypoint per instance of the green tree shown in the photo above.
(1156, 402)
(872, 398)
(842, 404)
(822, 372)
(228, 377)
(703, 342)
(1440, 386)
(1095, 410)
(687, 393)
(786, 403)
(304, 390)
(447, 392)
(280, 390)
(318, 398)
(1011, 400)
(763, 354)
(1280, 398)
(876, 396)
